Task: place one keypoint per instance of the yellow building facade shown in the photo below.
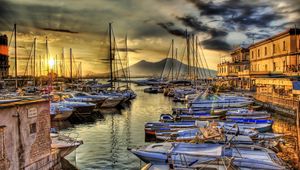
(235, 72)
(276, 55)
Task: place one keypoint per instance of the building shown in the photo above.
(4, 65)
(235, 71)
(25, 141)
(277, 55)
(275, 64)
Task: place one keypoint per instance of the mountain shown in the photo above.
(145, 68)
(154, 69)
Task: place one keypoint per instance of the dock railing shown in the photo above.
(282, 101)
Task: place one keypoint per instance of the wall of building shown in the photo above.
(27, 141)
(275, 55)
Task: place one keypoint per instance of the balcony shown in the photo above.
(244, 73)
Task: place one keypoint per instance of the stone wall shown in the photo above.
(27, 142)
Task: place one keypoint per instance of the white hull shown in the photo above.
(62, 116)
(216, 104)
(111, 103)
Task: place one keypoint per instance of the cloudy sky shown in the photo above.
(150, 25)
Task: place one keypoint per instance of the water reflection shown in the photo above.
(106, 140)
(288, 150)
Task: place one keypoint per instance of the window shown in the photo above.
(284, 48)
(252, 55)
(258, 53)
(32, 128)
(266, 67)
(266, 51)
(274, 50)
(274, 66)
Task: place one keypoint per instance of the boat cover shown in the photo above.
(198, 149)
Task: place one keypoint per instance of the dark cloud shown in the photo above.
(216, 44)
(240, 13)
(193, 22)
(133, 50)
(172, 29)
(59, 30)
(216, 40)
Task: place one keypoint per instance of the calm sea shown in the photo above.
(106, 140)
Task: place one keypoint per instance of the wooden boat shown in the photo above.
(187, 155)
(197, 116)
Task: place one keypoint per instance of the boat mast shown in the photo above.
(71, 69)
(34, 53)
(63, 63)
(47, 56)
(127, 62)
(110, 56)
(16, 66)
(188, 53)
(194, 68)
(172, 66)
(40, 65)
(56, 65)
(176, 59)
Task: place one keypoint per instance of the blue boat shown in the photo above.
(256, 121)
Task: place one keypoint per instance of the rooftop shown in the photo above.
(290, 31)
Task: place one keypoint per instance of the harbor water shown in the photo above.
(106, 140)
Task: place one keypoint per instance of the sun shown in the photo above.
(51, 63)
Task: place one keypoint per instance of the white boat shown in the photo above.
(60, 113)
(112, 101)
(64, 144)
(247, 112)
(187, 155)
(195, 134)
(245, 127)
(216, 101)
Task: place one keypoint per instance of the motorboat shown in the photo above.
(64, 143)
(59, 112)
(241, 127)
(195, 135)
(151, 128)
(246, 113)
(154, 89)
(217, 101)
(149, 82)
(186, 155)
(97, 99)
